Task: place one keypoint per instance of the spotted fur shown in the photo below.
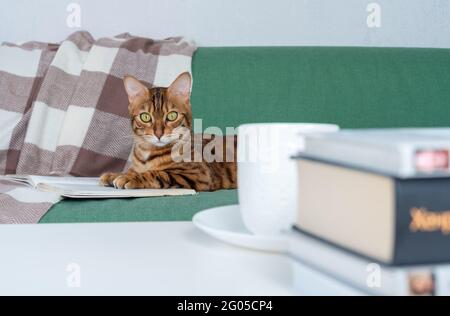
(153, 165)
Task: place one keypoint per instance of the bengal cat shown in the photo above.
(157, 115)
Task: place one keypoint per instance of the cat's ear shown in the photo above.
(134, 88)
(181, 86)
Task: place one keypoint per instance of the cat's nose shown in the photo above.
(158, 133)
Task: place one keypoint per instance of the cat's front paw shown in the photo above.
(127, 181)
(108, 178)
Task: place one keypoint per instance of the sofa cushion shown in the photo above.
(354, 87)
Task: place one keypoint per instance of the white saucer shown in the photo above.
(225, 223)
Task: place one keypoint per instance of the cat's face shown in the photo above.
(158, 115)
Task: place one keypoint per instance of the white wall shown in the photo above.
(421, 23)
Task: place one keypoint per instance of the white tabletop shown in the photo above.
(155, 258)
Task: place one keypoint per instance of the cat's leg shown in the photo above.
(163, 179)
(108, 178)
(145, 180)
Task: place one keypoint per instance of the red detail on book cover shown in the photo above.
(432, 160)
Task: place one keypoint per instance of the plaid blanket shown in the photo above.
(63, 109)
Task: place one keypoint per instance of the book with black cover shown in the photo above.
(390, 220)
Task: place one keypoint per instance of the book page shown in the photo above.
(85, 187)
(98, 191)
(64, 180)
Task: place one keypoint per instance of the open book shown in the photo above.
(88, 188)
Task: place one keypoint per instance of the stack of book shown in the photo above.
(374, 213)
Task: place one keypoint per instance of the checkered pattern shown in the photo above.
(63, 108)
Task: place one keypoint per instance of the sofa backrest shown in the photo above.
(354, 87)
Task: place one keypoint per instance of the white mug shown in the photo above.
(267, 176)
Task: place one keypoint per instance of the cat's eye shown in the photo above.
(145, 117)
(172, 116)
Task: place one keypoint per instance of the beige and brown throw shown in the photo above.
(63, 109)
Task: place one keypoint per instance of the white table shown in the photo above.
(156, 258)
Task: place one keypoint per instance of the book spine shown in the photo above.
(346, 267)
(422, 233)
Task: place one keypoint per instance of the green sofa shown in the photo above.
(350, 86)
